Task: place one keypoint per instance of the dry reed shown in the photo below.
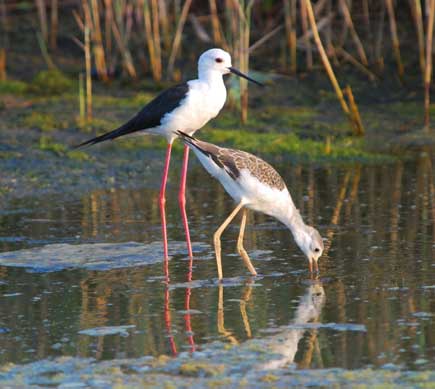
(428, 63)
(178, 35)
(395, 38)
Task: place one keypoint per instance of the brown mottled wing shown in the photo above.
(236, 160)
(233, 161)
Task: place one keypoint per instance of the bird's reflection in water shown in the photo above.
(285, 343)
(246, 296)
(187, 315)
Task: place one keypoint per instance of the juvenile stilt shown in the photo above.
(217, 238)
(240, 247)
(256, 185)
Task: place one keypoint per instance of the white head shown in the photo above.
(310, 242)
(218, 61)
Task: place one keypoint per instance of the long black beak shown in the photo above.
(240, 74)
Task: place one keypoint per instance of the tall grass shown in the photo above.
(148, 37)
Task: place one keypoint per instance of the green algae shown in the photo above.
(196, 369)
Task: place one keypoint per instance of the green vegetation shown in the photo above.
(41, 121)
(50, 82)
(46, 143)
(13, 87)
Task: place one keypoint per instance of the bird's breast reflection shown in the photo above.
(285, 343)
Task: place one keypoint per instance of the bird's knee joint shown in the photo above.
(181, 199)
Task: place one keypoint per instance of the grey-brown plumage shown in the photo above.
(253, 184)
(233, 161)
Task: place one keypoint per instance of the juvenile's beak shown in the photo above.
(240, 74)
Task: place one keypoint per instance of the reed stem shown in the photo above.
(324, 57)
(428, 64)
(88, 74)
(54, 24)
(395, 38)
(307, 42)
(177, 38)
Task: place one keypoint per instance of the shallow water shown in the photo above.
(373, 304)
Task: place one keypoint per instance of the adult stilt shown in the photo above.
(182, 199)
(162, 205)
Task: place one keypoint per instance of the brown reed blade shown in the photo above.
(177, 37)
(216, 25)
(324, 57)
(54, 24)
(152, 41)
(125, 52)
(368, 28)
(307, 42)
(265, 38)
(395, 38)
(428, 67)
(351, 59)
(164, 19)
(43, 23)
(156, 38)
(108, 20)
(417, 16)
(379, 59)
(356, 118)
(290, 30)
(97, 38)
(88, 72)
(348, 20)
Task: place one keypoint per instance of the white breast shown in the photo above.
(202, 103)
(262, 198)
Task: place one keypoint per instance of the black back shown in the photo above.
(150, 116)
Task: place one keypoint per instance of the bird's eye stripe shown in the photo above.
(219, 60)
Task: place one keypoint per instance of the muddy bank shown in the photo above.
(218, 366)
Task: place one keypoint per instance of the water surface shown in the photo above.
(373, 304)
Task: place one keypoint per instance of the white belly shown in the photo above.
(201, 104)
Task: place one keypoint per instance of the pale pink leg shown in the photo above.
(182, 198)
(162, 203)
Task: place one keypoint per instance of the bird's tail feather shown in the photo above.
(186, 138)
(120, 131)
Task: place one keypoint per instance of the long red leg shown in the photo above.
(187, 317)
(182, 198)
(167, 312)
(162, 203)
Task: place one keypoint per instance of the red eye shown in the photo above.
(219, 60)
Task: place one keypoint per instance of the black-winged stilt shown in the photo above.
(187, 107)
(256, 185)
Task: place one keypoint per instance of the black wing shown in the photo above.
(150, 116)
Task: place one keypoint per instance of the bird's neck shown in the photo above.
(211, 77)
(292, 218)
